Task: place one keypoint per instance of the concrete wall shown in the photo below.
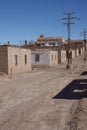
(46, 58)
(21, 66)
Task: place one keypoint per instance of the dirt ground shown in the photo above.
(51, 98)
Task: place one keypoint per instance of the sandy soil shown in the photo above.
(52, 98)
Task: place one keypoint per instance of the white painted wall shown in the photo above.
(45, 58)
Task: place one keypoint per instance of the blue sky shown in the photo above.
(27, 19)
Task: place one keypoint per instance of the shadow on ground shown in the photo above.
(84, 73)
(77, 89)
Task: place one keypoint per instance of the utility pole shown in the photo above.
(68, 22)
(84, 34)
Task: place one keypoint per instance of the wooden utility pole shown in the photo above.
(68, 22)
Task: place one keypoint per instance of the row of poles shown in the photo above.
(68, 17)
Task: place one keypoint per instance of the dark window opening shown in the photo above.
(25, 59)
(16, 60)
(52, 57)
(37, 57)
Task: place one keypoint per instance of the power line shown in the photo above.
(84, 34)
(68, 22)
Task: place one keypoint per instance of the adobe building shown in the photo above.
(62, 56)
(44, 58)
(73, 54)
(76, 52)
(14, 59)
(50, 41)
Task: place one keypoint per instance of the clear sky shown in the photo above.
(27, 19)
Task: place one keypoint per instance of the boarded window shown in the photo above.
(25, 59)
(16, 60)
(37, 57)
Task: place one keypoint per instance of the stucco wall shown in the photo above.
(83, 48)
(81, 51)
(53, 58)
(63, 56)
(76, 52)
(73, 53)
(46, 58)
(21, 66)
(43, 58)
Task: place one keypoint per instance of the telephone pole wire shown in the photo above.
(84, 34)
(68, 22)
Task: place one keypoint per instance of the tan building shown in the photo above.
(50, 41)
(62, 56)
(14, 59)
(76, 52)
(73, 54)
(44, 58)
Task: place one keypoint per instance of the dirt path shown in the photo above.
(45, 99)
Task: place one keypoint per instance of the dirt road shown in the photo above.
(46, 99)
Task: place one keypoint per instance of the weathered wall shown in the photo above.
(46, 58)
(43, 57)
(3, 59)
(53, 58)
(73, 53)
(76, 52)
(63, 56)
(83, 48)
(21, 66)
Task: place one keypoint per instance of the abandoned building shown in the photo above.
(50, 41)
(14, 59)
(76, 52)
(44, 58)
(62, 56)
(50, 56)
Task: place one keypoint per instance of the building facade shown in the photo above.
(62, 56)
(50, 41)
(14, 59)
(44, 58)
